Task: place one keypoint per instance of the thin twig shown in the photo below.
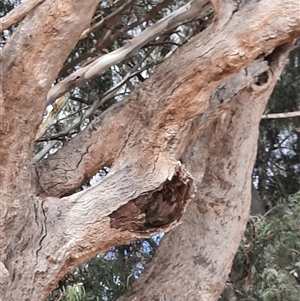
(281, 115)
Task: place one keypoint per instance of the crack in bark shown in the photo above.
(81, 157)
(44, 230)
(126, 141)
(154, 163)
(36, 213)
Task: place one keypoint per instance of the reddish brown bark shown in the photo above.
(47, 229)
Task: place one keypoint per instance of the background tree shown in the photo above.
(47, 228)
(277, 170)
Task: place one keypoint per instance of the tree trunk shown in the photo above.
(214, 104)
(194, 259)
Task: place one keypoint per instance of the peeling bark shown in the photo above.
(177, 97)
(194, 259)
(47, 229)
(115, 208)
(184, 14)
(32, 59)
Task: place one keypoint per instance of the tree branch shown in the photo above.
(37, 157)
(183, 14)
(52, 116)
(129, 203)
(39, 53)
(281, 115)
(104, 145)
(88, 112)
(191, 91)
(19, 13)
(107, 21)
(221, 207)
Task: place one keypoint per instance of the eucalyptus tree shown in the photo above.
(178, 149)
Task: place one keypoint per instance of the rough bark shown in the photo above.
(19, 13)
(32, 59)
(179, 97)
(194, 259)
(45, 231)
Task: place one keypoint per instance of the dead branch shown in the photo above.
(281, 115)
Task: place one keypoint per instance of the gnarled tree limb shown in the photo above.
(179, 99)
(204, 245)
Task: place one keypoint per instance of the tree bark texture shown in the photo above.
(194, 259)
(209, 95)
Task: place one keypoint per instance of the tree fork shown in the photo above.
(46, 230)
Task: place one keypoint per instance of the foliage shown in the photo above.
(5, 7)
(108, 276)
(277, 169)
(267, 265)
